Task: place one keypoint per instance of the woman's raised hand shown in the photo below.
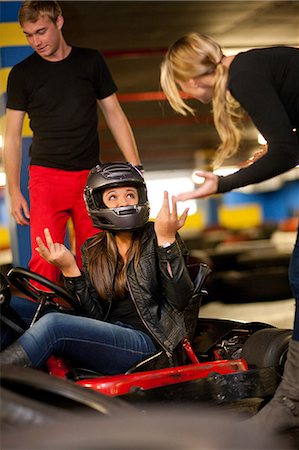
(167, 222)
(57, 254)
(209, 187)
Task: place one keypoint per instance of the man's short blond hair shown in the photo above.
(30, 11)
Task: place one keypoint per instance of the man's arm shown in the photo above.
(12, 152)
(120, 128)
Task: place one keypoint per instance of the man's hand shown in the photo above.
(19, 208)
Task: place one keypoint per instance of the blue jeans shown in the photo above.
(294, 282)
(25, 309)
(93, 344)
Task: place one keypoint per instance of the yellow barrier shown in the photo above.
(4, 238)
(194, 222)
(3, 79)
(240, 216)
(11, 34)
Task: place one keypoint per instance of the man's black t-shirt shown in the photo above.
(266, 84)
(60, 99)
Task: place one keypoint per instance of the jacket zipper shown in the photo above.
(169, 355)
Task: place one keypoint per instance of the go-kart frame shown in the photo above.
(228, 361)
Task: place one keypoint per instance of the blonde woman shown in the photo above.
(263, 83)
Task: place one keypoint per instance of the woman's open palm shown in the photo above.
(209, 187)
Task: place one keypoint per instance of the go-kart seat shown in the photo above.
(184, 351)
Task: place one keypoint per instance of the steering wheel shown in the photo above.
(22, 280)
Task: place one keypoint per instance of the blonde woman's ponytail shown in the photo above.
(227, 117)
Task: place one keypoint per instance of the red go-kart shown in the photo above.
(227, 362)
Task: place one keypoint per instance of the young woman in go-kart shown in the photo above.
(133, 289)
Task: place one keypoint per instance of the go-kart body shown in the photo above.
(214, 368)
(221, 374)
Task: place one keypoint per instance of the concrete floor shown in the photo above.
(278, 313)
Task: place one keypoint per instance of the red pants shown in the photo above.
(55, 196)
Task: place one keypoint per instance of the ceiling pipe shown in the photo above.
(133, 53)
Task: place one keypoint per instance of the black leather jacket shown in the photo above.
(161, 300)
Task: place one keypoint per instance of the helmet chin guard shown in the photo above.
(109, 175)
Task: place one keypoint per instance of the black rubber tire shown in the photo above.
(33, 396)
(160, 428)
(267, 348)
(18, 409)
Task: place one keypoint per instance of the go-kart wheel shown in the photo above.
(18, 409)
(267, 348)
(162, 427)
(34, 397)
(22, 280)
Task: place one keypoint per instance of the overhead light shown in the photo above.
(175, 182)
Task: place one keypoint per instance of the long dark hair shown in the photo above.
(106, 267)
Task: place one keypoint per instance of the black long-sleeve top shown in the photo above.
(266, 84)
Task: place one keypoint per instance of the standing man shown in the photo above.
(59, 86)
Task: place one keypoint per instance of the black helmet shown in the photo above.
(104, 176)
